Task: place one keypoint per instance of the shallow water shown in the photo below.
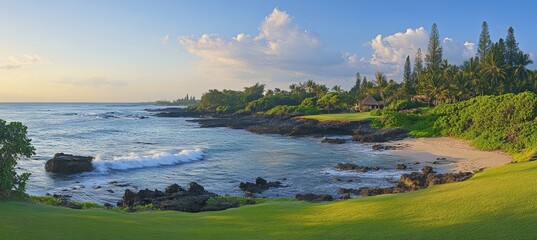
(134, 152)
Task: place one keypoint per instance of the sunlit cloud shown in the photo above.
(282, 51)
(165, 39)
(92, 82)
(19, 62)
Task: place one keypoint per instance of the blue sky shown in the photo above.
(149, 50)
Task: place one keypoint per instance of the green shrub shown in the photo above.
(283, 110)
(48, 200)
(14, 144)
(240, 200)
(506, 122)
(398, 105)
(376, 112)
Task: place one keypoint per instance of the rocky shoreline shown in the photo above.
(292, 125)
(197, 199)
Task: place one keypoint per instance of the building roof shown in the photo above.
(370, 101)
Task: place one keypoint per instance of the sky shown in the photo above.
(134, 50)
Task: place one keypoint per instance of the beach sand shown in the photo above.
(459, 154)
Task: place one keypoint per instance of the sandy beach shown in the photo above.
(448, 154)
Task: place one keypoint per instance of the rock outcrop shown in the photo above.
(354, 167)
(382, 135)
(418, 180)
(310, 197)
(334, 140)
(259, 186)
(174, 197)
(69, 164)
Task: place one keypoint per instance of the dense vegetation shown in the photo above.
(186, 101)
(498, 68)
(507, 122)
(13, 145)
(499, 203)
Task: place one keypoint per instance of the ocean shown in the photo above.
(136, 150)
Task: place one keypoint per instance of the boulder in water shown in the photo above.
(69, 164)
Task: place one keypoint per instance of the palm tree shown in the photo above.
(337, 88)
(494, 70)
(380, 81)
(470, 70)
(433, 86)
(520, 72)
(462, 85)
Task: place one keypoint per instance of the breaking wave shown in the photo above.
(133, 161)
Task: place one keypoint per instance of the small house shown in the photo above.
(367, 104)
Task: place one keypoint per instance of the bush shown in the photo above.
(507, 122)
(398, 105)
(14, 144)
(376, 112)
(284, 110)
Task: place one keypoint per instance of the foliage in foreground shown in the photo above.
(52, 201)
(507, 122)
(14, 144)
(499, 203)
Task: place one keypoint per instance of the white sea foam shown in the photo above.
(133, 161)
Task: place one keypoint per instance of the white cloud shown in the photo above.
(165, 39)
(389, 52)
(19, 62)
(457, 52)
(93, 82)
(281, 50)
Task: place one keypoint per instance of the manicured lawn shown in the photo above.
(359, 116)
(500, 203)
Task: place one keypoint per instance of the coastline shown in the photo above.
(459, 154)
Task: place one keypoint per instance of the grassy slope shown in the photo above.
(342, 116)
(500, 203)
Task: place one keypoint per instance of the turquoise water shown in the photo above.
(156, 152)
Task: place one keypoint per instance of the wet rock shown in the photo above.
(193, 199)
(110, 190)
(68, 164)
(383, 135)
(310, 197)
(334, 140)
(381, 147)
(418, 180)
(259, 186)
(350, 191)
(401, 166)
(119, 184)
(427, 169)
(354, 167)
(173, 188)
(346, 196)
(376, 191)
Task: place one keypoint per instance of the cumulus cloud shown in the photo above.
(280, 47)
(283, 51)
(19, 62)
(389, 52)
(165, 39)
(93, 82)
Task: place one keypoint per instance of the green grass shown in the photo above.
(499, 203)
(359, 116)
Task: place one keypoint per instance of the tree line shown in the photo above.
(498, 67)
